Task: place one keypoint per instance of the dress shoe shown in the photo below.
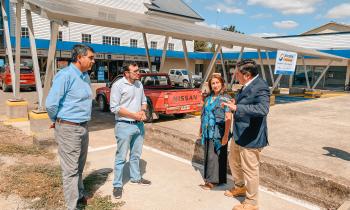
(236, 192)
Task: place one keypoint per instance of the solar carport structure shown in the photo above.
(62, 12)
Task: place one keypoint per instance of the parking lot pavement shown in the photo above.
(175, 185)
(314, 134)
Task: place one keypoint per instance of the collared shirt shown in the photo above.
(70, 97)
(249, 82)
(128, 96)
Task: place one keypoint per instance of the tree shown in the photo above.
(201, 46)
(231, 28)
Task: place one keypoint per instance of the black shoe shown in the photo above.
(117, 192)
(82, 201)
(142, 181)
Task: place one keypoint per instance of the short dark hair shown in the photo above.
(247, 66)
(80, 49)
(127, 64)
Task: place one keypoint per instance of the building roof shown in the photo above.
(93, 14)
(331, 27)
(173, 7)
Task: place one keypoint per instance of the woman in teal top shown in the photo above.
(215, 128)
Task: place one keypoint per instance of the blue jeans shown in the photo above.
(128, 136)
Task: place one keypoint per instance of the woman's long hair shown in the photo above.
(221, 80)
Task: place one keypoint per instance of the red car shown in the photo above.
(27, 78)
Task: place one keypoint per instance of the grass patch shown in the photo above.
(13, 149)
(105, 203)
(42, 184)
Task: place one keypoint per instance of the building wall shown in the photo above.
(74, 30)
(172, 63)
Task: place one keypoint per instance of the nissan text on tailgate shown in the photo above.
(162, 97)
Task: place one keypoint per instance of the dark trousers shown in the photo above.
(215, 163)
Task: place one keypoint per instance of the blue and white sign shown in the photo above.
(285, 62)
(101, 74)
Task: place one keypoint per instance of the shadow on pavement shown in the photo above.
(94, 180)
(126, 172)
(337, 153)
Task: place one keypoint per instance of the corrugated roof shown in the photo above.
(92, 14)
(174, 7)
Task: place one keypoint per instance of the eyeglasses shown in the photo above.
(135, 72)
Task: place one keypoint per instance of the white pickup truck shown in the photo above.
(181, 77)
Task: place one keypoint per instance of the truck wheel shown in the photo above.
(149, 111)
(102, 104)
(181, 115)
(5, 87)
(186, 84)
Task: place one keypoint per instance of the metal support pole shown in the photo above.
(223, 68)
(36, 67)
(147, 51)
(187, 61)
(240, 56)
(291, 80)
(50, 59)
(164, 53)
(209, 70)
(261, 65)
(305, 71)
(16, 84)
(5, 18)
(322, 75)
(270, 68)
(276, 83)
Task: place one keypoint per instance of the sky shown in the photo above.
(271, 17)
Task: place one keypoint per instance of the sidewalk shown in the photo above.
(175, 185)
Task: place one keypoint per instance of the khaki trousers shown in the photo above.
(244, 165)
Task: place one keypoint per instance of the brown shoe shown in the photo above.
(207, 186)
(245, 206)
(236, 192)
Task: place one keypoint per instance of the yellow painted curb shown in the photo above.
(196, 113)
(8, 121)
(16, 103)
(38, 116)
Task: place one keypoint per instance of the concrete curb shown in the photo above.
(314, 186)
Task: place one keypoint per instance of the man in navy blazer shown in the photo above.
(250, 107)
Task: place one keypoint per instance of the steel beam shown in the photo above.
(276, 83)
(36, 67)
(223, 68)
(322, 75)
(261, 65)
(164, 54)
(305, 72)
(16, 87)
(5, 18)
(187, 61)
(50, 58)
(147, 51)
(234, 71)
(209, 70)
(270, 68)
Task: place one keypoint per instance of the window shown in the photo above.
(86, 38)
(133, 42)
(153, 45)
(115, 41)
(60, 36)
(24, 32)
(106, 40)
(171, 46)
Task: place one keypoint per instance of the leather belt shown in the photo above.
(59, 120)
(129, 122)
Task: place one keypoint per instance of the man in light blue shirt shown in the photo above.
(68, 105)
(129, 104)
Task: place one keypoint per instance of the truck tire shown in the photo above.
(5, 87)
(186, 84)
(149, 111)
(102, 103)
(181, 115)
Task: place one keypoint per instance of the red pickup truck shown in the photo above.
(162, 97)
(27, 78)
